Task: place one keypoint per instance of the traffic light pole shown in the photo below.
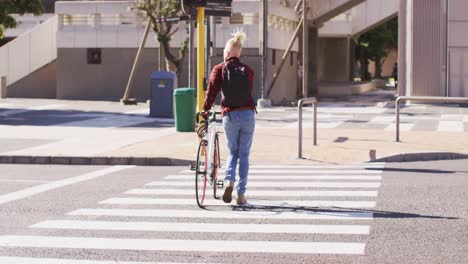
(200, 58)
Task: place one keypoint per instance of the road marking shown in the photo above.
(257, 193)
(292, 172)
(257, 203)
(288, 177)
(283, 184)
(204, 227)
(20, 260)
(382, 120)
(320, 124)
(403, 127)
(376, 165)
(34, 108)
(58, 184)
(183, 245)
(22, 181)
(451, 117)
(451, 126)
(296, 214)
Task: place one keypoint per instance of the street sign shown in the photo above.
(218, 8)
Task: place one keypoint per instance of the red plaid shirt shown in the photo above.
(214, 87)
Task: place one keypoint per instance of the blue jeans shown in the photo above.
(239, 127)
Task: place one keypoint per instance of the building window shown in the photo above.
(273, 56)
(94, 56)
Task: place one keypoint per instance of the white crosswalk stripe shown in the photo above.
(19, 260)
(321, 209)
(283, 203)
(259, 193)
(183, 245)
(204, 227)
(290, 177)
(271, 215)
(282, 184)
(307, 172)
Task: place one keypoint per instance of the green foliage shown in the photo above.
(376, 44)
(157, 9)
(21, 7)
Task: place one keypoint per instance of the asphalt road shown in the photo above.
(392, 213)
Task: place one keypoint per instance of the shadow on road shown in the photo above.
(335, 211)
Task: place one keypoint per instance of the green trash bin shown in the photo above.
(184, 109)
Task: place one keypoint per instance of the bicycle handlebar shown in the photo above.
(211, 115)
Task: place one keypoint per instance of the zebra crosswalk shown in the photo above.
(304, 210)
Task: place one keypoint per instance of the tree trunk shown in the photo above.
(378, 68)
(364, 61)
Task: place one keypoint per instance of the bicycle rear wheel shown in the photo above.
(200, 173)
(216, 162)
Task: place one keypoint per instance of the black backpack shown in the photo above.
(235, 85)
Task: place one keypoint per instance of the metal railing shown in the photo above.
(433, 99)
(301, 103)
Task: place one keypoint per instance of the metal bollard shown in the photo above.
(3, 87)
(301, 103)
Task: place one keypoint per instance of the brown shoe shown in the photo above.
(227, 197)
(241, 200)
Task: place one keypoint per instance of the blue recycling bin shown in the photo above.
(162, 89)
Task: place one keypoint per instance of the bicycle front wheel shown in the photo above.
(201, 173)
(216, 162)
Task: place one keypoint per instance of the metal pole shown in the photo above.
(300, 105)
(264, 46)
(315, 123)
(211, 43)
(439, 99)
(447, 59)
(397, 119)
(125, 99)
(200, 58)
(299, 121)
(305, 50)
(190, 54)
(207, 47)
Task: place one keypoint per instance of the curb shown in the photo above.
(429, 156)
(63, 160)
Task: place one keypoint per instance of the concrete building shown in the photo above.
(433, 47)
(51, 59)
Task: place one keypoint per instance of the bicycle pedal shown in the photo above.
(220, 184)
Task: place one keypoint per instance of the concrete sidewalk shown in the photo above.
(73, 132)
(334, 146)
(278, 146)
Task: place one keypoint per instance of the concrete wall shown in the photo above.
(324, 10)
(81, 81)
(39, 84)
(458, 48)
(76, 79)
(334, 58)
(428, 50)
(372, 13)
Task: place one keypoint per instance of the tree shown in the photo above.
(375, 45)
(156, 10)
(8, 7)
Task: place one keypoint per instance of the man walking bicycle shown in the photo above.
(235, 81)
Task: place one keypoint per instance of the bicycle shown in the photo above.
(208, 157)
